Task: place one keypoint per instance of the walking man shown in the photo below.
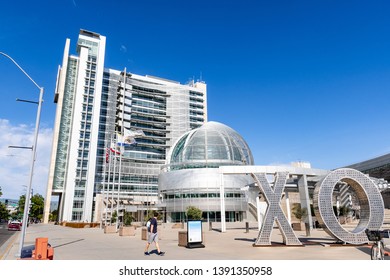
(153, 236)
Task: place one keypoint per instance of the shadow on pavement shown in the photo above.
(68, 243)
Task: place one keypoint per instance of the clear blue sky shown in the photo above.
(299, 80)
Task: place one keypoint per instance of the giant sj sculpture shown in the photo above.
(368, 194)
(274, 211)
(370, 199)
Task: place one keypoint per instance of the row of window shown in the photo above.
(196, 106)
(196, 113)
(201, 195)
(137, 109)
(147, 90)
(196, 93)
(196, 119)
(88, 99)
(211, 216)
(147, 104)
(91, 66)
(90, 74)
(78, 204)
(139, 189)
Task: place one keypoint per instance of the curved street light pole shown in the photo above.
(34, 149)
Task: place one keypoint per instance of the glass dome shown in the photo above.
(211, 145)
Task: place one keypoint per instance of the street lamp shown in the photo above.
(34, 149)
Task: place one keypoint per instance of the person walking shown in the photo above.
(153, 236)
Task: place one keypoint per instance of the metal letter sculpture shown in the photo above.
(370, 199)
(274, 211)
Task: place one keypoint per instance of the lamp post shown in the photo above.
(34, 149)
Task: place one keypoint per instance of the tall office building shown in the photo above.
(96, 107)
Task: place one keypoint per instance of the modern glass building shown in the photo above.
(191, 176)
(95, 107)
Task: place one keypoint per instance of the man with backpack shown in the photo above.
(153, 236)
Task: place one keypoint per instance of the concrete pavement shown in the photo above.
(235, 244)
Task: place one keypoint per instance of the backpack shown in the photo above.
(148, 225)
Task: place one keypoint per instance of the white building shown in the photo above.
(94, 104)
(191, 176)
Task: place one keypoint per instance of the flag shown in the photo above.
(114, 149)
(133, 133)
(121, 141)
(128, 139)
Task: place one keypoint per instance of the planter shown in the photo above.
(110, 229)
(298, 226)
(127, 231)
(144, 233)
(183, 238)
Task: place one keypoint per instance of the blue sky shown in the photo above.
(299, 80)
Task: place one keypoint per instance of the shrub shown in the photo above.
(299, 212)
(194, 213)
(127, 218)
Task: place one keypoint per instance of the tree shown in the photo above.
(299, 212)
(127, 218)
(3, 210)
(20, 208)
(4, 213)
(113, 217)
(53, 216)
(37, 206)
(149, 215)
(194, 213)
(344, 210)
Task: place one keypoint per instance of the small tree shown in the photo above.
(113, 217)
(127, 218)
(149, 215)
(37, 206)
(344, 210)
(4, 213)
(299, 212)
(53, 216)
(20, 208)
(194, 213)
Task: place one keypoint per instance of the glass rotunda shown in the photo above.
(191, 176)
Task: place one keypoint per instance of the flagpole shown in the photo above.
(108, 179)
(114, 178)
(104, 183)
(122, 148)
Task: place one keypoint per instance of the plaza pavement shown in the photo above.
(234, 244)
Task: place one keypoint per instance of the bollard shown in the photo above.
(247, 227)
(210, 225)
(307, 227)
(43, 250)
(40, 252)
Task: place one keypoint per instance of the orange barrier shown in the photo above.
(42, 251)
